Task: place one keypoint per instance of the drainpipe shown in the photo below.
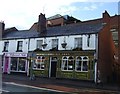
(28, 57)
(96, 58)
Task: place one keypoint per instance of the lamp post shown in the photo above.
(31, 61)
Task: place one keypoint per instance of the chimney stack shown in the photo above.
(2, 27)
(106, 17)
(41, 23)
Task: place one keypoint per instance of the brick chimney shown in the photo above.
(106, 17)
(41, 23)
(2, 27)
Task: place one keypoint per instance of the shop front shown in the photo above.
(15, 62)
(65, 64)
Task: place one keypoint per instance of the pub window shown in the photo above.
(54, 43)
(78, 42)
(82, 63)
(39, 63)
(64, 63)
(6, 44)
(67, 63)
(78, 64)
(39, 44)
(85, 64)
(19, 45)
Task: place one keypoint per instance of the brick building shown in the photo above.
(64, 47)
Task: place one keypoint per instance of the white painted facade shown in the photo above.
(31, 44)
(70, 40)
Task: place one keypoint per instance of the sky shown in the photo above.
(22, 14)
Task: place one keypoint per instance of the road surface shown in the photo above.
(12, 88)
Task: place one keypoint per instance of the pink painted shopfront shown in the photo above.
(15, 62)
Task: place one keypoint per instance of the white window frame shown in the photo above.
(82, 61)
(6, 45)
(41, 62)
(55, 43)
(67, 61)
(39, 44)
(78, 42)
(19, 45)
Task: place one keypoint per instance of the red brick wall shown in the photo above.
(55, 22)
(106, 50)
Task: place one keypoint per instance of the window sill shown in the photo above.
(5, 51)
(38, 69)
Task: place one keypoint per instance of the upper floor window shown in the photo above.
(54, 43)
(19, 45)
(6, 44)
(39, 44)
(67, 63)
(88, 40)
(39, 63)
(78, 42)
(81, 63)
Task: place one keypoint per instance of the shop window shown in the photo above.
(78, 42)
(67, 63)
(14, 63)
(39, 44)
(18, 64)
(19, 46)
(6, 44)
(21, 65)
(39, 63)
(82, 63)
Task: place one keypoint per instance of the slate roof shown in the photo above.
(71, 29)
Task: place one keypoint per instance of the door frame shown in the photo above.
(51, 66)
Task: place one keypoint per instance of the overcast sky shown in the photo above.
(23, 13)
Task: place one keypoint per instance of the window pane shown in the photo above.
(39, 44)
(78, 42)
(21, 65)
(19, 46)
(85, 66)
(64, 65)
(70, 63)
(54, 43)
(6, 44)
(14, 64)
(39, 63)
(78, 63)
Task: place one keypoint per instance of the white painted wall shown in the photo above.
(13, 45)
(32, 45)
(1, 47)
(69, 40)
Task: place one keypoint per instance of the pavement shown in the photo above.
(65, 85)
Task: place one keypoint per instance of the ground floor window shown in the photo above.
(39, 63)
(18, 64)
(81, 63)
(67, 63)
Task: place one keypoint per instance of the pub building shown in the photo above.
(81, 50)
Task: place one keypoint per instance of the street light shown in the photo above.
(31, 61)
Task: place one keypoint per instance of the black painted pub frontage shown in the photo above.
(63, 64)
